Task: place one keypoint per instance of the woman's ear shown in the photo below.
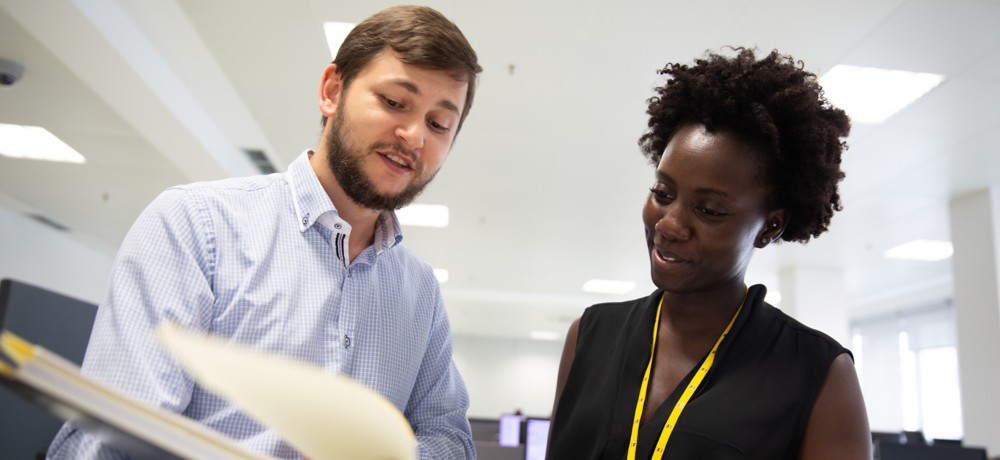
(774, 226)
(330, 91)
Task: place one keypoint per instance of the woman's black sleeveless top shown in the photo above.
(754, 403)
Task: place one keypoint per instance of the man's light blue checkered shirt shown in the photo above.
(259, 261)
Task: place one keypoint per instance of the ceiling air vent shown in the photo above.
(260, 160)
(49, 222)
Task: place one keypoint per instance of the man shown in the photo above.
(308, 263)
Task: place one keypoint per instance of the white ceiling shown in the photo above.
(545, 183)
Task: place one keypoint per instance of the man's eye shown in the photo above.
(391, 103)
(438, 126)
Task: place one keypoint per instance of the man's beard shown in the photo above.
(345, 162)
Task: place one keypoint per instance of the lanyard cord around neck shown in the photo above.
(668, 427)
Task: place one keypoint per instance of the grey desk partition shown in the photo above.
(891, 451)
(485, 429)
(490, 450)
(59, 323)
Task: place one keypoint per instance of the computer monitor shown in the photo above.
(56, 322)
(536, 438)
(510, 430)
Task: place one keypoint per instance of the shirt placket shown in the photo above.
(341, 337)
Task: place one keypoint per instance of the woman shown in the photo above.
(747, 152)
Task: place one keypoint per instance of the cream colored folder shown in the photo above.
(324, 416)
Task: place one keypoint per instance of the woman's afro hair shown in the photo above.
(773, 103)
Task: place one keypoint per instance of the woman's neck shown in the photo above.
(703, 312)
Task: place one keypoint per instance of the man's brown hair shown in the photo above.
(420, 36)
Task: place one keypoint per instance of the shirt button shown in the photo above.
(347, 342)
(337, 226)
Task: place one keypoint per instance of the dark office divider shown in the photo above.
(486, 435)
(887, 437)
(890, 451)
(487, 450)
(484, 429)
(914, 437)
(62, 325)
(947, 442)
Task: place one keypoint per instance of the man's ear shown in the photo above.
(330, 91)
(774, 226)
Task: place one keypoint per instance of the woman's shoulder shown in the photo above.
(781, 321)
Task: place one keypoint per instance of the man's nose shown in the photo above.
(412, 133)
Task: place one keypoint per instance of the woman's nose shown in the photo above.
(673, 223)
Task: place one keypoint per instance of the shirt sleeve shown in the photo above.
(439, 403)
(163, 272)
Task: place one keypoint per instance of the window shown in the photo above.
(907, 363)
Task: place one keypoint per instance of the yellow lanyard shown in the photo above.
(668, 428)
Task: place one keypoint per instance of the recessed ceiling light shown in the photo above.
(35, 143)
(544, 335)
(423, 215)
(335, 33)
(923, 250)
(872, 95)
(608, 286)
(441, 275)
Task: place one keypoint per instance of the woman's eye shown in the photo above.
(711, 212)
(660, 194)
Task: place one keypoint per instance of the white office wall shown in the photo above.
(908, 368)
(41, 255)
(881, 383)
(504, 375)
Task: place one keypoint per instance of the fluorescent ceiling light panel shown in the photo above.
(872, 95)
(922, 250)
(544, 335)
(441, 275)
(423, 215)
(608, 286)
(335, 33)
(35, 143)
